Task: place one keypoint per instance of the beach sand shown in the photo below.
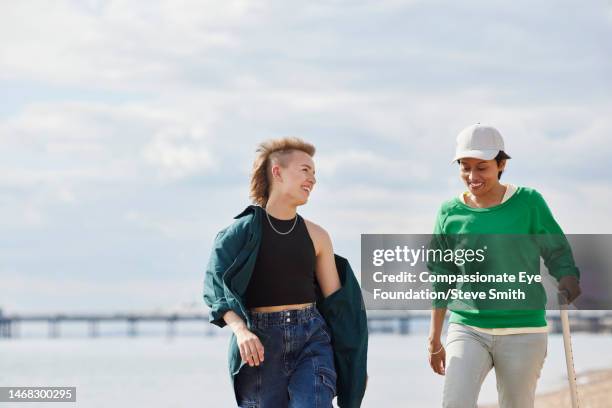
(594, 391)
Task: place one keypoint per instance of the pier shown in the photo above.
(9, 324)
(379, 321)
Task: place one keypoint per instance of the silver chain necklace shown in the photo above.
(277, 231)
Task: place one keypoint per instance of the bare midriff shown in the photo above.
(279, 308)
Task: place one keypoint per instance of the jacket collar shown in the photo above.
(250, 209)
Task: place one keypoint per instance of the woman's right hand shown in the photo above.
(437, 361)
(251, 349)
(437, 357)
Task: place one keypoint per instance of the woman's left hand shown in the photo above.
(571, 286)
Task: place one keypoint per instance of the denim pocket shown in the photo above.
(328, 378)
(247, 387)
(323, 328)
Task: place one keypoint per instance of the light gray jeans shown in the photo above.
(470, 355)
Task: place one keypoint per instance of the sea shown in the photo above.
(190, 369)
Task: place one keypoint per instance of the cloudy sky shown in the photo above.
(127, 129)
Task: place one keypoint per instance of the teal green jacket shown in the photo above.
(227, 276)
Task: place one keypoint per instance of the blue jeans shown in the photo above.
(298, 368)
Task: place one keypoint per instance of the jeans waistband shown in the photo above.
(285, 317)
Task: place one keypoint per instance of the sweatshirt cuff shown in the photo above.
(558, 274)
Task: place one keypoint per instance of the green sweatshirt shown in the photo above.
(515, 234)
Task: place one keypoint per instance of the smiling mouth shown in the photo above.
(475, 186)
(307, 189)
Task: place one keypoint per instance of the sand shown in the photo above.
(594, 391)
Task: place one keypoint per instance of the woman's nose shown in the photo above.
(471, 176)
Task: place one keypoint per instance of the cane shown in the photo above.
(567, 343)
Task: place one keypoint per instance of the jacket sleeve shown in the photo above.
(223, 254)
(553, 244)
(344, 311)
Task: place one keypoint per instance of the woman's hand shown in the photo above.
(569, 284)
(437, 357)
(437, 354)
(251, 349)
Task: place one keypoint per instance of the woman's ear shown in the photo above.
(276, 172)
(502, 165)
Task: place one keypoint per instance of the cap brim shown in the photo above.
(477, 154)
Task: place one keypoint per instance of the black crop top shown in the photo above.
(284, 271)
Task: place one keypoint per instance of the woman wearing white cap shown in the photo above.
(514, 342)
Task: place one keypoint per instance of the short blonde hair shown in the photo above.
(270, 152)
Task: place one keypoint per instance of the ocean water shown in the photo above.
(190, 371)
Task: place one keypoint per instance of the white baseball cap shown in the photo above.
(479, 141)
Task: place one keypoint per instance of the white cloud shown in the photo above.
(78, 295)
(179, 153)
(113, 43)
(88, 142)
(170, 227)
(140, 119)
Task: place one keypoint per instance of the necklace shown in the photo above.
(277, 231)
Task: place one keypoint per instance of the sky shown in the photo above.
(128, 129)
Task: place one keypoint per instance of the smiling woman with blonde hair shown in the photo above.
(294, 307)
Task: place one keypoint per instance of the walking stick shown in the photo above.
(567, 343)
